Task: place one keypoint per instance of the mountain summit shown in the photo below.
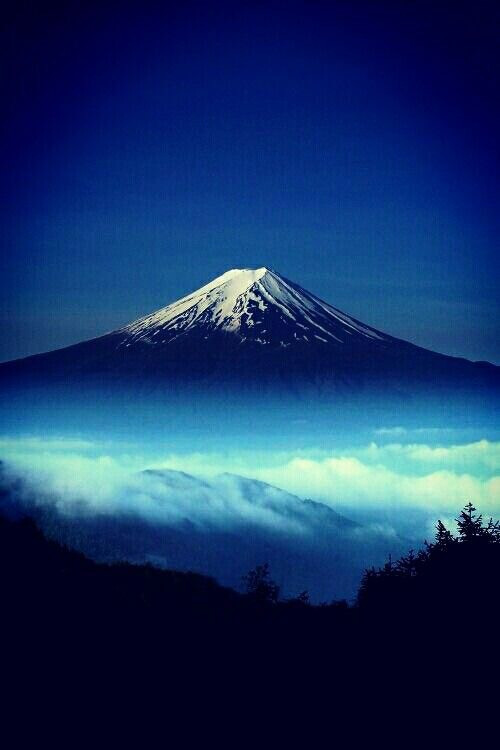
(258, 306)
(252, 328)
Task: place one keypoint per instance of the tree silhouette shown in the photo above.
(452, 572)
(303, 598)
(260, 586)
(444, 537)
(471, 528)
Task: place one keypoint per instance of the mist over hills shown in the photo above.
(220, 527)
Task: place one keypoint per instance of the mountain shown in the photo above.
(222, 527)
(256, 307)
(246, 501)
(254, 329)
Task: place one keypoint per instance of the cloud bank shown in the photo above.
(185, 511)
(393, 479)
(431, 478)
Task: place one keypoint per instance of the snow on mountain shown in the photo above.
(255, 305)
(251, 330)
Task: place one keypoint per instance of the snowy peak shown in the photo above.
(255, 305)
(254, 332)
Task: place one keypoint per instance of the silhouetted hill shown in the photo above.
(47, 582)
(453, 580)
(182, 640)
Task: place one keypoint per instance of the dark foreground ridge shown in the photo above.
(126, 626)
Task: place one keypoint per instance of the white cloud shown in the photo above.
(391, 431)
(417, 475)
(349, 481)
(55, 474)
(393, 478)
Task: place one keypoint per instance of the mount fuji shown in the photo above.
(253, 328)
(257, 306)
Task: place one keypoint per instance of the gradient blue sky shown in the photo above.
(351, 146)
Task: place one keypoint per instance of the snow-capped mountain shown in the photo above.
(258, 306)
(253, 328)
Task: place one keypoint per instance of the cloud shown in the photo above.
(349, 481)
(32, 443)
(399, 477)
(81, 485)
(399, 431)
(391, 431)
(186, 510)
(393, 479)
(481, 454)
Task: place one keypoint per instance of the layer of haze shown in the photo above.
(404, 486)
(393, 470)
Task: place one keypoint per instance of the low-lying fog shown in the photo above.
(222, 500)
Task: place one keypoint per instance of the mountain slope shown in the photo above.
(254, 329)
(220, 527)
(257, 306)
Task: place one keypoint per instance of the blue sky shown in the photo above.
(351, 146)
